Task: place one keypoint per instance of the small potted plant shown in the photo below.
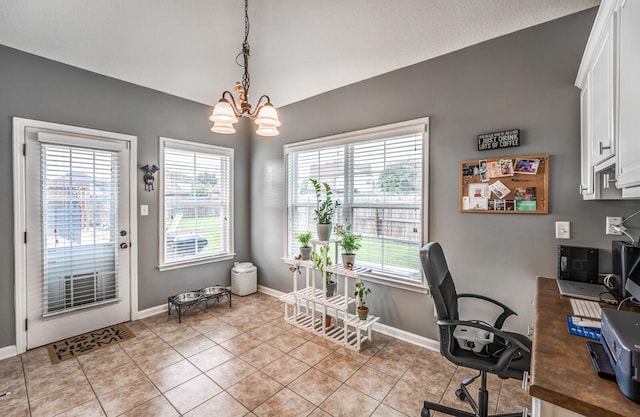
(361, 292)
(305, 249)
(325, 207)
(320, 265)
(350, 243)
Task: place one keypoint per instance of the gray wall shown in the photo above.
(523, 80)
(37, 88)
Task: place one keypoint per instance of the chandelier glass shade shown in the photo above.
(228, 109)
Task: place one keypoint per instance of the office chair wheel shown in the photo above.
(461, 395)
(425, 413)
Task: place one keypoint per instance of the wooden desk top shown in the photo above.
(561, 369)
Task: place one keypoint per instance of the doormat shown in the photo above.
(88, 342)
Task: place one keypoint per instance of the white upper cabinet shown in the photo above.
(609, 77)
(602, 97)
(629, 112)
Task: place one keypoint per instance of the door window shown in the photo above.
(79, 226)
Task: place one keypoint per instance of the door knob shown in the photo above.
(123, 245)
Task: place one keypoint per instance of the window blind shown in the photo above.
(79, 212)
(378, 179)
(197, 202)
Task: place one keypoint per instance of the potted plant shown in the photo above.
(350, 243)
(305, 249)
(361, 292)
(325, 207)
(320, 265)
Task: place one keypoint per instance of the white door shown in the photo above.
(77, 234)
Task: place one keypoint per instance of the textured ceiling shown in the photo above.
(300, 48)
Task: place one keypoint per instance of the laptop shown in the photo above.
(578, 273)
(584, 290)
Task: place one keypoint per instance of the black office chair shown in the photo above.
(507, 356)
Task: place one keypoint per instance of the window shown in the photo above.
(79, 201)
(379, 177)
(197, 202)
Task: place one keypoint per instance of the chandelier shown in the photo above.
(228, 110)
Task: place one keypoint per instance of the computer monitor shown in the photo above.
(633, 280)
(624, 255)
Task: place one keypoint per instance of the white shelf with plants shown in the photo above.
(309, 306)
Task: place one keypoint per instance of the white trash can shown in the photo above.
(244, 278)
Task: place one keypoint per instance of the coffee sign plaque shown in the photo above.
(498, 140)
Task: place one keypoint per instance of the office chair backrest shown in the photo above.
(440, 282)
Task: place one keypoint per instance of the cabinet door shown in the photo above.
(629, 133)
(586, 171)
(602, 94)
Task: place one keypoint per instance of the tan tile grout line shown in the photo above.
(26, 388)
(148, 379)
(91, 385)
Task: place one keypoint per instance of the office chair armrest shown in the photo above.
(514, 345)
(506, 311)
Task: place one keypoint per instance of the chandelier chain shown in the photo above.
(246, 50)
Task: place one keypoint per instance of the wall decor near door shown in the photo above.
(508, 184)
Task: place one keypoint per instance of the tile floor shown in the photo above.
(238, 361)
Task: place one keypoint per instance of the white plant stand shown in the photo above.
(308, 306)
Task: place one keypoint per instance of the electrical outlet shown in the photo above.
(563, 230)
(613, 221)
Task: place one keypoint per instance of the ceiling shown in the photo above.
(300, 48)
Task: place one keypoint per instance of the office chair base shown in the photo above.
(430, 406)
(480, 408)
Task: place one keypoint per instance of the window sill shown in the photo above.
(390, 281)
(186, 264)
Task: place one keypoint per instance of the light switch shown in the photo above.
(563, 230)
(144, 210)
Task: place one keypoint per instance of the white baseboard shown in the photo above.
(408, 337)
(8, 352)
(269, 291)
(152, 311)
(403, 335)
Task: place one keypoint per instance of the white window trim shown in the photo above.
(378, 132)
(196, 147)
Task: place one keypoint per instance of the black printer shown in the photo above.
(620, 334)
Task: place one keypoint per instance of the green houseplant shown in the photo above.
(322, 260)
(350, 243)
(361, 293)
(325, 207)
(304, 239)
(317, 258)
